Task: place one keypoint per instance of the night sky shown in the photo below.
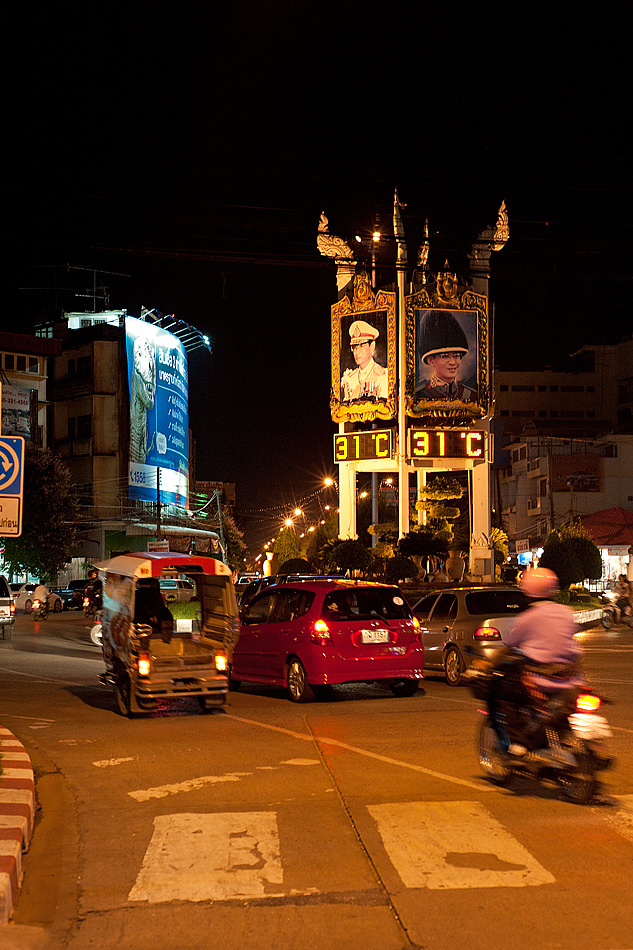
(194, 151)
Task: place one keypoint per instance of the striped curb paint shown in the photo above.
(17, 809)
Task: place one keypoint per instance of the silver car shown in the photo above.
(457, 618)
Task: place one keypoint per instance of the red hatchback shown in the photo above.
(311, 633)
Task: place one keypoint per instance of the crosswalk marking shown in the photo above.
(211, 857)
(454, 845)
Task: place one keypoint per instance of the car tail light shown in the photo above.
(487, 633)
(417, 633)
(144, 664)
(587, 702)
(221, 662)
(12, 606)
(320, 633)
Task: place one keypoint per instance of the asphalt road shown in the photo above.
(362, 820)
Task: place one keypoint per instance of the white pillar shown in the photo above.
(346, 501)
(481, 555)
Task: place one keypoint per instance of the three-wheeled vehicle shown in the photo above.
(151, 653)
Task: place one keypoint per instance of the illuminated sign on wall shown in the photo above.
(447, 443)
(159, 413)
(362, 446)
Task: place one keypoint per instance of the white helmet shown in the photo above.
(541, 582)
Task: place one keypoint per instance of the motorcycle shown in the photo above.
(96, 632)
(612, 612)
(39, 609)
(564, 735)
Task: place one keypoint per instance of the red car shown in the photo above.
(311, 633)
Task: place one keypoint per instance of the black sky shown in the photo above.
(194, 151)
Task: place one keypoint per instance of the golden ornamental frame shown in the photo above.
(364, 303)
(450, 412)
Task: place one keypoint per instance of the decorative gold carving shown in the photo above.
(447, 286)
(364, 297)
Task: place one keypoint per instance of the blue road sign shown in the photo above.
(11, 465)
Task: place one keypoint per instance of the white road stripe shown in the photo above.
(454, 845)
(104, 762)
(327, 740)
(162, 791)
(212, 857)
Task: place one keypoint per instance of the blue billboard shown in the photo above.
(159, 414)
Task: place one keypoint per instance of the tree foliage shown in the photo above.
(234, 540)
(48, 517)
(349, 556)
(433, 498)
(398, 568)
(499, 544)
(297, 565)
(286, 546)
(571, 554)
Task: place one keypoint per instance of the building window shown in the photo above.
(515, 455)
(20, 364)
(505, 412)
(542, 412)
(523, 389)
(84, 366)
(523, 452)
(9, 361)
(554, 414)
(542, 389)
(527, 413)
(591, 389)
(591, 414)
(572, 414)
(572, 389)
(503, 389)
(553, 389)
(34, 364)
(84, 427)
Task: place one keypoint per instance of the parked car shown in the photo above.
(7, 609)
(78, 588)
(246, 594)
(23, 598)
(307, 634)
(175, 590)
(474, 617)
(66, 594)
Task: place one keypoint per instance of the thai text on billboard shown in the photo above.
(159, 413)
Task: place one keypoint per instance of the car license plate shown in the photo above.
(374, 636)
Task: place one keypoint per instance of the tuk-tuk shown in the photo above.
(153, 650)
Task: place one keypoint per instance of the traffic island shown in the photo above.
(17, 810)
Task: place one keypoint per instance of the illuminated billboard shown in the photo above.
(159, 413)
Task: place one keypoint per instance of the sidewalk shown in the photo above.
(17, 810)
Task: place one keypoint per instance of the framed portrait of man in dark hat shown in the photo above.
(446, 355)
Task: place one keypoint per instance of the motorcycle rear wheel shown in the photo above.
(579, 786)
(491, 756)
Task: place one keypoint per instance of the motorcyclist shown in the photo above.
(544, 633)
(41, 593)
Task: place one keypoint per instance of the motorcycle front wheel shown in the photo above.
(491, 756)
(606, 619)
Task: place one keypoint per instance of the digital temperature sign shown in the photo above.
(447, 444)
(363, 446)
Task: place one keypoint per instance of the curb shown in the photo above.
(17, 810)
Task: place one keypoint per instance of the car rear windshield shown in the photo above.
(4, 587)
(363, 603)
(491, 603)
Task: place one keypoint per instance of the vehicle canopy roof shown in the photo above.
(154, 563)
